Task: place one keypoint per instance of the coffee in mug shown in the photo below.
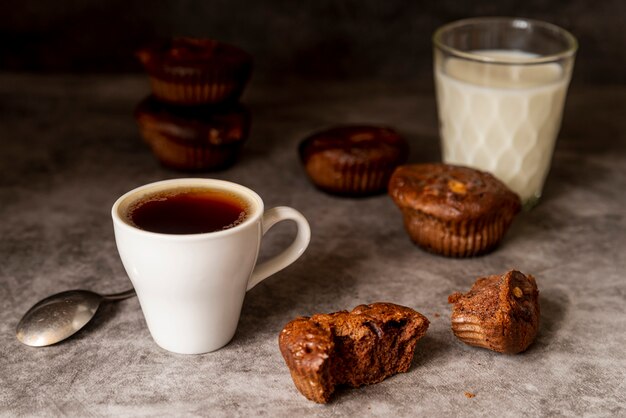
(190, 248)
(188, 211)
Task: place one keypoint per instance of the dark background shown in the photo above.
(320, 39)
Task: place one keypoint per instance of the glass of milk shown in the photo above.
(501, 85)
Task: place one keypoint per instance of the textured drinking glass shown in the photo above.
(501, 85)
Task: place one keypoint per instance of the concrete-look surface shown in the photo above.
(70, 147)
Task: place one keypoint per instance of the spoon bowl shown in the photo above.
(60, 316)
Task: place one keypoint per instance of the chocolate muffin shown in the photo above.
(451, 210)
(355, 348)
(190, 71)
(353, 160)
(193, 138)
(500, 313)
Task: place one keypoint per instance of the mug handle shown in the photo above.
(289, 254)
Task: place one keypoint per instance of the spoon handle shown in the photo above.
(120, 296)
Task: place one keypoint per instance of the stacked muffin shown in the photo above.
(193, 120)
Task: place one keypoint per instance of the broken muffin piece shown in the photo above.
(500, 313)
(355, 348)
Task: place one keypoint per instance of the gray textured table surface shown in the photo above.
(70, 147)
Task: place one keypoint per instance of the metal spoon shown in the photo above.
(60, 316)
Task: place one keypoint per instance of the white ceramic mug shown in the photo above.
(191, 287)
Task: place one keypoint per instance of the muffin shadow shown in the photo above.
(426, 350)
(308, 287)
(553, 304)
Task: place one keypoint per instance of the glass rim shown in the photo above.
(570, 51)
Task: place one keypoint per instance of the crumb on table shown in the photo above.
(469, 395)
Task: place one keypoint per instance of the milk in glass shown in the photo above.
(501, 118)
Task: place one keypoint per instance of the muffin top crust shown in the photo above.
(193, 53)
(356, 144)
(451, 193)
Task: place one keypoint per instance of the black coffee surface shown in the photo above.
(188, 211)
